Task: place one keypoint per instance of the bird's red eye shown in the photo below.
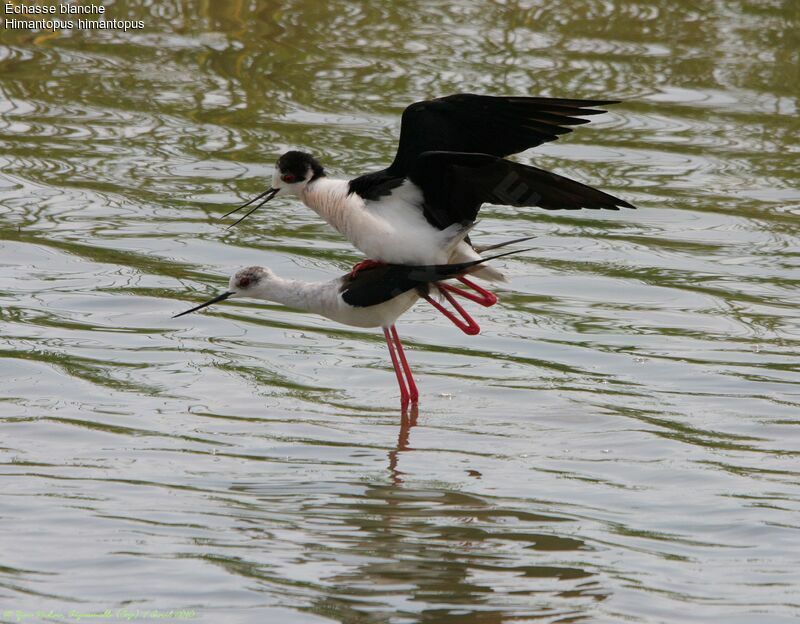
(288, 178)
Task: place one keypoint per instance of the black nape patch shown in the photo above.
(298, 163)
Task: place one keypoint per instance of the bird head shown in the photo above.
(294, 171)
(254, 281)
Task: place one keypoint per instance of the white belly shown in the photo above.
(403, 242)
(381, 315)
(391, 229)
(407, 237)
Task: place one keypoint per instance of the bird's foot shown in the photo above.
(484, 297)
(363, 265)
(466, 323)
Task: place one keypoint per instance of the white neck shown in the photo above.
(345, 212)
(317, 297)
(392, 228)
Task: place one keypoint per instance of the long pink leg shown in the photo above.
(393, 355)
(412, 387)
(480, 299)
(467, 325)
(486, 298)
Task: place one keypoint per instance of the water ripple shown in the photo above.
(620, 441)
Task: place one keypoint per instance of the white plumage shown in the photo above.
(323, 298)
(392, 229)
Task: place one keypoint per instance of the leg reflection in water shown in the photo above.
(408, 419)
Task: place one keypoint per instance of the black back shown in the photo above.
(373, 186)
(378, 284)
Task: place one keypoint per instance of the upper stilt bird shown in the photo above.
(450, 161)
(375, 296)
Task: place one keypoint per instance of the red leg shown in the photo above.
(393, 355)
(486, 299)
(364, 264)
(467, 325)
(412, 387)
(481, 299)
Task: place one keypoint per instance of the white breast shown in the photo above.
(391, 229)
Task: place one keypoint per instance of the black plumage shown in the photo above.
(455, 185)
(485, 124)
(378, 284)
(297, 164)
(373, 186)
(452, 148)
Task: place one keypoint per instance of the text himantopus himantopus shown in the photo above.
(374, 296)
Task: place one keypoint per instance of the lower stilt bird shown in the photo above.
(373, 296)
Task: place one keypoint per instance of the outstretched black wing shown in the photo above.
(452, 148)
(381, 283)
(455, 185)
(485, 124)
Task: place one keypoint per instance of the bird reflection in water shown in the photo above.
(408, 420)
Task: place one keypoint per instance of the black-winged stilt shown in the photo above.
(449, 162)
(374, 296)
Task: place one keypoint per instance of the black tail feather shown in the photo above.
(437, 272)
(381, 283)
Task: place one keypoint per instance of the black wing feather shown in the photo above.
(455, 185)
(373, 186)
(379, 284)
(485, 124)
(452, 148)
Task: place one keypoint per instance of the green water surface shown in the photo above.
(621, 442)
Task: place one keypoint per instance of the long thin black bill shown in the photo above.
(503, 244)
(217, 299)
(268, 194)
